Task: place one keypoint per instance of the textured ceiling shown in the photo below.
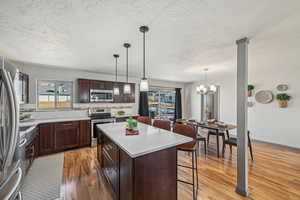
(185, 35)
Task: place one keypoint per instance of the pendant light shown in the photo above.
(116, 89)
(205, 88)
(127, 87)
(144, 85)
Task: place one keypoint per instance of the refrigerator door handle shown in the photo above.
(19, 197)
(14, 121)
(15, 187)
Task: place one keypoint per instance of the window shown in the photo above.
(54, 94)
(162, 103)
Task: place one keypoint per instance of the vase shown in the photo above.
(282, 104)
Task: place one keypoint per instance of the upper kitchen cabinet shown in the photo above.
(130, 98)
(85, 86)
(101, 85)
(24, 88)
(84, 90)
(97, 85)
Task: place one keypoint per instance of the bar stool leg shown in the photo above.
(193, 175)
(197, 175)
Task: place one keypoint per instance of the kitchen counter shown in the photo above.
(149, 140)
(51, 120)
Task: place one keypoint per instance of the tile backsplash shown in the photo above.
(79, 110)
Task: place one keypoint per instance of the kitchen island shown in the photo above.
(139, 167)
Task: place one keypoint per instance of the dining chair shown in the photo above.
(190, 147)
(163, 124)
(144, 119)
(232, 141)
(213, 132)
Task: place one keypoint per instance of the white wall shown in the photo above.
(39, 72)
(267, 122)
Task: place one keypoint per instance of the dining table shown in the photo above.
(219, 129)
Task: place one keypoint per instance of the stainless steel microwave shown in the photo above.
(101, 96)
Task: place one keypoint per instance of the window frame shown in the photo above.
(56, 82)
(159, 90)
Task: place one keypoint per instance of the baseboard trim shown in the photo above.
(280, 145)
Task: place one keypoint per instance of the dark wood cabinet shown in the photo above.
(85, 85)
(57, 137)
(108, 85)
(24, 87)
(36, 145)
(119, 98)
(140, 177)
(85, 133)
(66, 135)
(125, 98)
(46, 138)
(84, 90)
(130, 98)
(110, 164)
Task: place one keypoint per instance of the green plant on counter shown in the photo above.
(283, 97)
(132, 123)
(25, 116)
(250, 87)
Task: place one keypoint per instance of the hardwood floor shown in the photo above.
(273, 175)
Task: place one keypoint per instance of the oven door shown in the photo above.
(94, 133)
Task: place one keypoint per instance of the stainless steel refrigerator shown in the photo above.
(10, 171)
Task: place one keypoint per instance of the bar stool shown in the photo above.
(199, 136)
(144, 119)
(189, 131)
(163, 124)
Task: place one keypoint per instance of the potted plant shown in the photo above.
(250, 90)
(283, 99)
(132, 124)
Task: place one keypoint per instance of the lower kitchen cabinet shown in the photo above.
(57, 137)
(85, 133)
(46, 138)
(66, 135)
(147, 177)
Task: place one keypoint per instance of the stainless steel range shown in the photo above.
(99, 116)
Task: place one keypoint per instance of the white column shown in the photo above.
(242, 112)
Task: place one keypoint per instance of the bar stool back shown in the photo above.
(189, 131)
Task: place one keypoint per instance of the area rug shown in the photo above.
(43, 180)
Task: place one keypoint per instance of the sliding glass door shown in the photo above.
(162, 103)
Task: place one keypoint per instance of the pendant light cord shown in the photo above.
(116, 57)
(144, 54)
(116, 69)
(127, 65)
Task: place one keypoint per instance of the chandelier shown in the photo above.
(206, 88)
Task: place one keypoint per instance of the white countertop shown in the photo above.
(52, 120)
(150, 139)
